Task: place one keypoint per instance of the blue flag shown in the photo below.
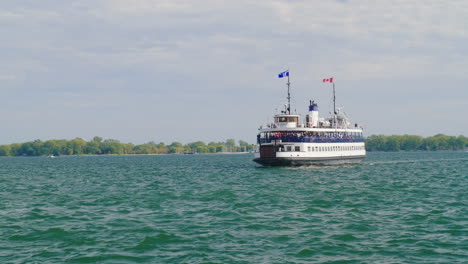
(283, 74)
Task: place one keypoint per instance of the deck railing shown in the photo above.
(309, 139)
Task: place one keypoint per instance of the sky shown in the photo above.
(189, 70)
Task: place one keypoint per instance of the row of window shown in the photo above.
(323, 149)
(314, 134)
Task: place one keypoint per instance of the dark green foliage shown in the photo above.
(98, 146)
(5, 150)
(415, 143)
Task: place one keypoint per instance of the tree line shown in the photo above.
(100, 146)
(415, 143)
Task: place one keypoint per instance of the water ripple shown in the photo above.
(392, 208)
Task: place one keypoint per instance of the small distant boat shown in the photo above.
(51, 156)
(289, 142)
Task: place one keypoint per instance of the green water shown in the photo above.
(392, 208)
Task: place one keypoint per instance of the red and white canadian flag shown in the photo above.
(330, 80)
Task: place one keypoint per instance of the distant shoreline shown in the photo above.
(103, 147)
(99, 147)
(110, 155)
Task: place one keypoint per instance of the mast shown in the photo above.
(334, 100)
(334, 106)
(289, 95)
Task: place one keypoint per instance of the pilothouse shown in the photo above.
(288, 141)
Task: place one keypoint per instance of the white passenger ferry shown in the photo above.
(288, 142)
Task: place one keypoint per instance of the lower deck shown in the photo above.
(291, 154)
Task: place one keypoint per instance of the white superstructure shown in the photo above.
(288, 141)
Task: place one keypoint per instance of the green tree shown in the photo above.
(176, 147)
(243, 145)
(144, 149)
(51, 147)
(212, 147)
(5, 150)
(78, 145)
(409, 142)
(376, 143)
(31, 148)
(231, 145)
(392, 144)
(161, 148)
(112, 146)
(197, 147)
(93, 147)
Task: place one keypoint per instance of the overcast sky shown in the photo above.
(176, 70)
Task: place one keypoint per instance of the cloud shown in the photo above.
(7, 77)
(9, 15)
(143, 7)
(201, 52)
(386, 31)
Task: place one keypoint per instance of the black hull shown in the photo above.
(292, 161)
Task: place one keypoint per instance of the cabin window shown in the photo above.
(288, 148)
(308, 149)
(297, 148)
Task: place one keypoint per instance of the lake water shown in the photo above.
(392, 208)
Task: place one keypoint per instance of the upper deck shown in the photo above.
(310, 129)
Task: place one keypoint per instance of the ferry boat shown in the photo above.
(289, 142)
